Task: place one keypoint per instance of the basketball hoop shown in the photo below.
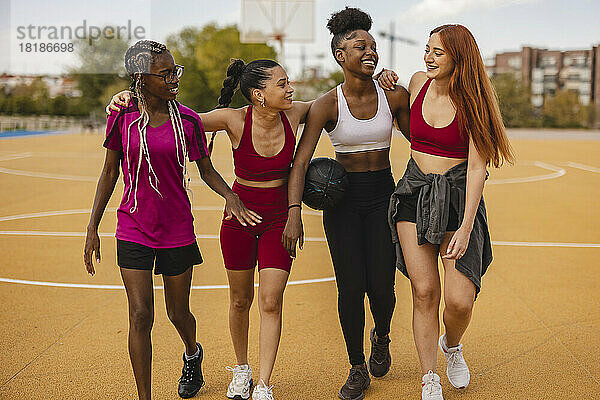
(279, 20)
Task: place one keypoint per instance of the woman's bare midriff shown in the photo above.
(259, 184)
(363, 161)
(431, 164)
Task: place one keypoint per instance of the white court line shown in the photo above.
(64, 154)
(49, 214)
(306, 239)
(558, 172)
(49, 176)
(120, 287)
(299, 282)
(80, 178)
(111, 209)
(83, 234)
(546, 244)
(583, 167)
(15, 156)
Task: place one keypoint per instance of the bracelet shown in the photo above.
(294, 205)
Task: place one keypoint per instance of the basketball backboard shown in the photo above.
(282, 20)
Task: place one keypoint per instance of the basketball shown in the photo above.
(325, 183)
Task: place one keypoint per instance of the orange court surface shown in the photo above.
(535, 332)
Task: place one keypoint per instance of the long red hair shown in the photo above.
(474, 97)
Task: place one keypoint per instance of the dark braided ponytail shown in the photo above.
(234, 73)
(249, 76)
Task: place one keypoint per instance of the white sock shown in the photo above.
(196, 354)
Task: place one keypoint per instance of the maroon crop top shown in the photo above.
(448, 141)
(251, 166)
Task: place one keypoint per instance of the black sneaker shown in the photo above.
(380, 359)
(191, 376)
(358, 381)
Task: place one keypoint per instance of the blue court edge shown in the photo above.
(12, 134)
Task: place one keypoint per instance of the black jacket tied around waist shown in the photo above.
(436, 193)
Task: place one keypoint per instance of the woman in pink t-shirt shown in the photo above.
(151, 140)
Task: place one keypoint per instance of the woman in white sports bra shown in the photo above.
(358, 116)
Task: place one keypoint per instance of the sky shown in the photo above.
(498, 25)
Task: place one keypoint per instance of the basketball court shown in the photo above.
(64, 333)
(534, 333)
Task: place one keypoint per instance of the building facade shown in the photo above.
(547, 71)
(57, 85)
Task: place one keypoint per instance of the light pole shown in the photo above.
(391, 36)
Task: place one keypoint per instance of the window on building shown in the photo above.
(548, 61)
(515, 62)
(585, 99)
(537, 101)
(579, 61)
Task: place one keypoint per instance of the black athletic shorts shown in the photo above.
(171, 261)
(406, 210)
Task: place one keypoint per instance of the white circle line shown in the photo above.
(160, 287)
(583, 167)
(558, 172)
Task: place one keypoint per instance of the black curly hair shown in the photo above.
(344, 23)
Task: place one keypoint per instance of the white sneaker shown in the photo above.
(456, 369)
(431, 387)
(262, 392)
(239, 388)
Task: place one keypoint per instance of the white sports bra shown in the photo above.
(353, 135)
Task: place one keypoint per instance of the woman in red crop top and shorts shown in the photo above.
(437, 207)
(263, 139)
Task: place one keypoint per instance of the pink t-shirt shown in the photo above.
(158, 222)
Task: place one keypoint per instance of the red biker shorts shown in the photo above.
(244, 246)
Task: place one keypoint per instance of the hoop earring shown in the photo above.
(262, 102)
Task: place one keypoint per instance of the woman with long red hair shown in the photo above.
(437, 207)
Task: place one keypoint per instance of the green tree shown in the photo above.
(100, 65)
(311, 89)
(514, 101)
(59, 105)
(565, 110)
(206, 53)
(26, 99)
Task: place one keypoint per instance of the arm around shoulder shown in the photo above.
(300, 110)
(417, 81)
(317, 117)
(399, 100)
(218, 119)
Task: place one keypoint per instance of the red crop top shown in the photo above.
(448, 141)
(252, 166)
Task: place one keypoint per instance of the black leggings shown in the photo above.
(363, 256)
